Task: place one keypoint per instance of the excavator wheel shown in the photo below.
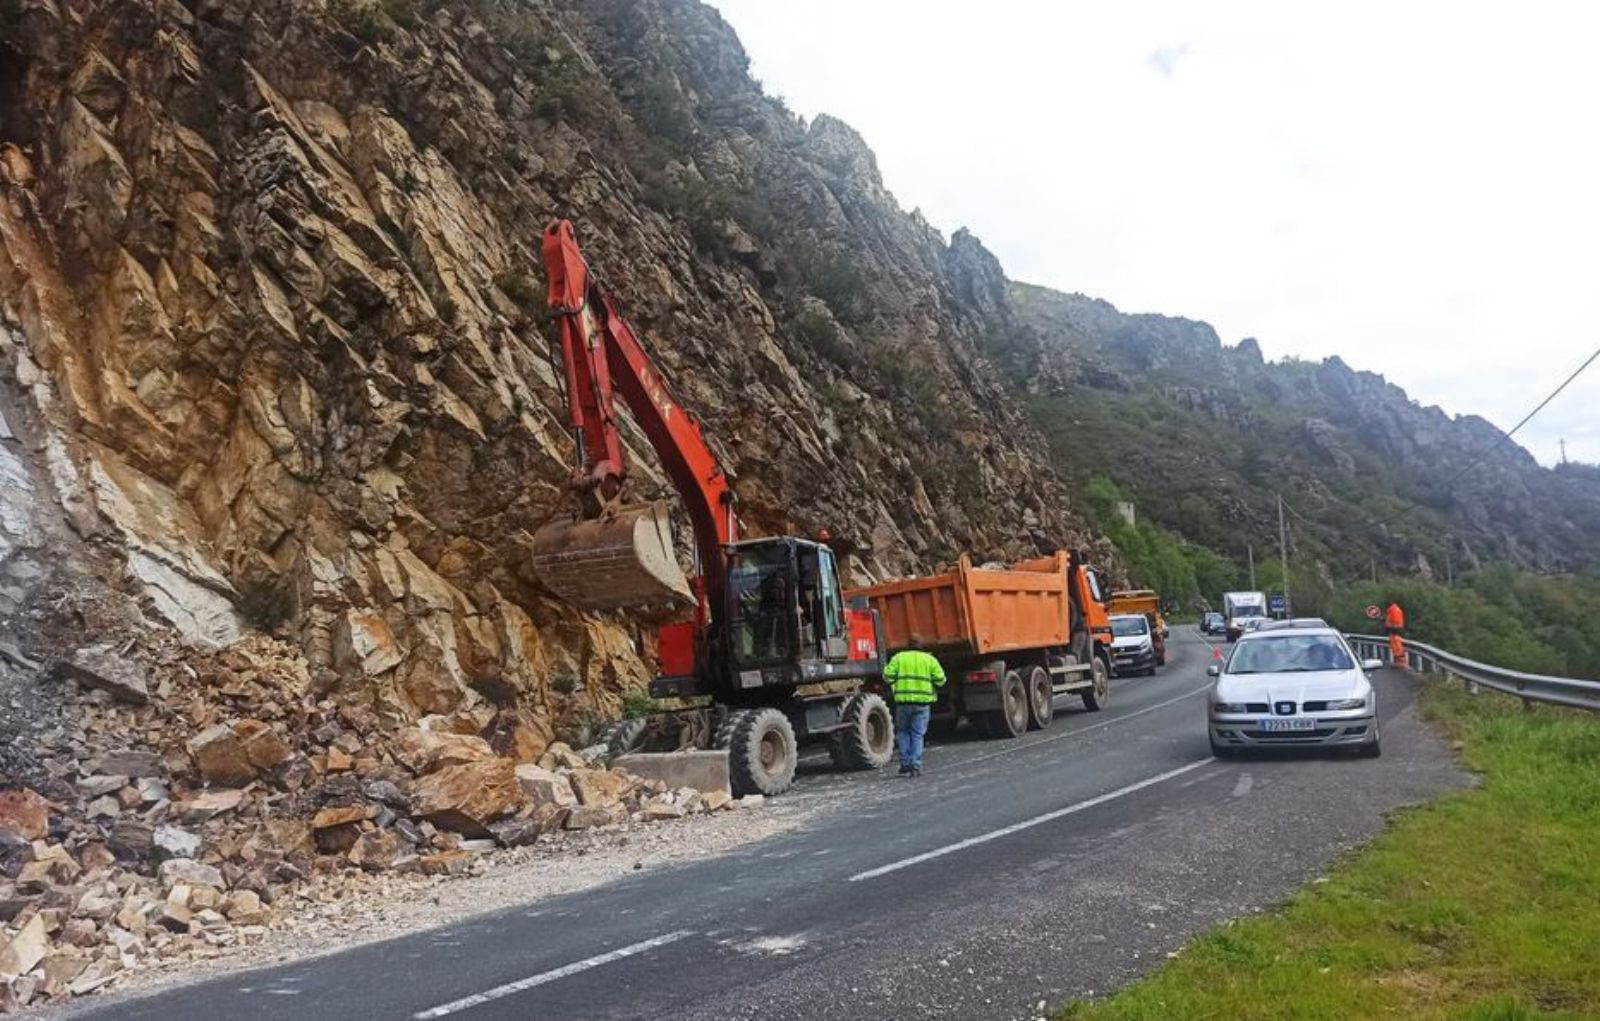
(867, 740)
(625, 557)
(762, 751)
(1041, 699)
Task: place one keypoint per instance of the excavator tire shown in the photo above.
(1098, 693)
(762, 751)
(1011, 719)
(867, 740)
(627, 736)
(1041, 699)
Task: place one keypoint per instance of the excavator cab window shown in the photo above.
(835, 643)
(761, 597)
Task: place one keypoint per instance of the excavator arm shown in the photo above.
(617, 554)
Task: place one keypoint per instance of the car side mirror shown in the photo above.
(1372, 664)
(1213, 671)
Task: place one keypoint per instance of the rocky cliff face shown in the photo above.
(273, 330)
(1206, 435)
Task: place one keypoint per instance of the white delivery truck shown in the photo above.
(1240, 609)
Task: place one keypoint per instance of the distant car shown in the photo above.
(1299, 686)
(1213, 624)
(1133, 646)
(1293, 622)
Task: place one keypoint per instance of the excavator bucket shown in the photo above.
(623, 558)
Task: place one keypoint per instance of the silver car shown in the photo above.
(1292, 687)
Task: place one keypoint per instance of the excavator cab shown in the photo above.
(785, 610)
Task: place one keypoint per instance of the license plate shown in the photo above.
(1288, 724)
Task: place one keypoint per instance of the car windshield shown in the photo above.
(1289, 654)
(1127, 627)
(758, 600)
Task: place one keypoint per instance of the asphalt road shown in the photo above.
(1010, 875)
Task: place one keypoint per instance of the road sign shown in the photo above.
(1373, 613)
(1277, 604)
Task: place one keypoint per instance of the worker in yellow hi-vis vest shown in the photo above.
(916, 678)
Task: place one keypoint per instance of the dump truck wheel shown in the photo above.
(762, 753)
(1011, 719)
(1041, 699)
(867, 740)
(1098, 693)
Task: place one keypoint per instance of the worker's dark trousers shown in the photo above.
(910, 727)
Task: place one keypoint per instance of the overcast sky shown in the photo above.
(1414, 187)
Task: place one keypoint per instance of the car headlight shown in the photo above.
(1229, 707)
(1347, 703)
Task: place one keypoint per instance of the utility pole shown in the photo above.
(1449, 568)
(1372, 563)
(1563, 451)
(1250, 552)
(1283, 556)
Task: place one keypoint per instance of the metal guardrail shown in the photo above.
(1568, 691)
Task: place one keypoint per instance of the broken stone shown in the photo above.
(130, 764)
(515, 735)
(100, 667)
(446, 863)
(244, 907)
(107, 807)
(516, 832)
(378, 849)
(60, 969)
(585, 817)
(424, 751)
(542, 787)
(151, 790)
(207, 804)
(174, 917)
(750, 801)
(131, 840)
(339, 761)
(95, 855)
(600, 787)
(716, 801)
(98, 786)
(94, 976)
(467, 797)
(340, 838)
(386, 792)
(24, 814)
(264, 747)
(26, 949)
(659, 808)
(175, 842)
(220, 755)
(561, 756)
(187, 870)
(339, 815)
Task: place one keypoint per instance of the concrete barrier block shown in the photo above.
(705, 771)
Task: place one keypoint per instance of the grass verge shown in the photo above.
(1484, 906)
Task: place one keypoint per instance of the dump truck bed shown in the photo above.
(1024, 606)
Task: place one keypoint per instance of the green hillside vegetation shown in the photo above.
(1535, 623)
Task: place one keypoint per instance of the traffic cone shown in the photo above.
(1216, 654)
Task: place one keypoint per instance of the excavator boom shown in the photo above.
(617, 554)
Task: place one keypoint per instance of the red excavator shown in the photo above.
(769, 616)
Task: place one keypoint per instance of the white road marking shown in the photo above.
(1242, 788)
(1038, 820)
(543, 978)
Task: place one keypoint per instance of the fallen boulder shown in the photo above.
(467, 797)
(423, 751)
(542, 787)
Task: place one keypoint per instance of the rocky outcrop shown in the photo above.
(270, 290)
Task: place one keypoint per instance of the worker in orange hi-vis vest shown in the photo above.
(1394, 622)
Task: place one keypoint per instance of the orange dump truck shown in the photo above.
(1010, 640)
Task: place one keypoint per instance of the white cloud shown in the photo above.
(1410, 186)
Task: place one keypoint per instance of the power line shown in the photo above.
(1486, 451)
